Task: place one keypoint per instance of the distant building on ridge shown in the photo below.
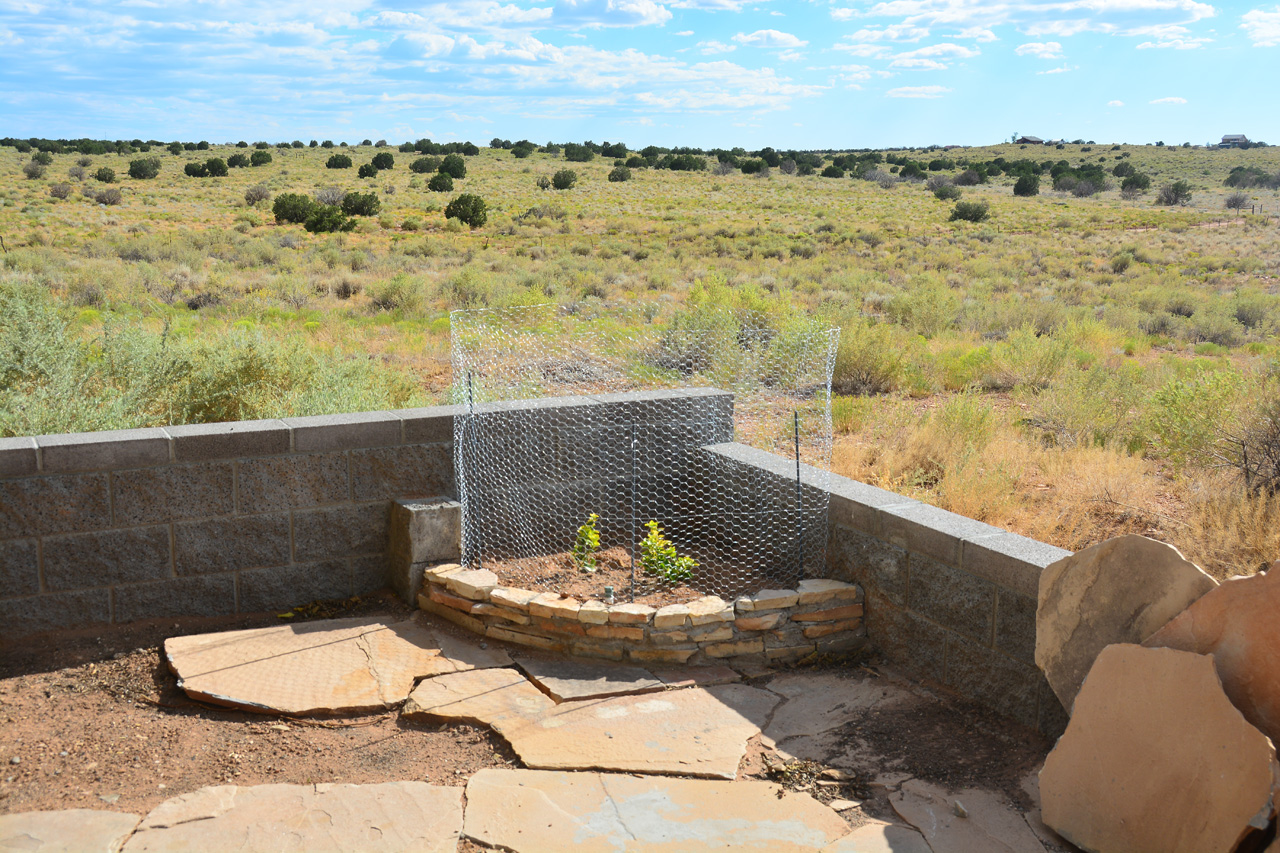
(1234, 140)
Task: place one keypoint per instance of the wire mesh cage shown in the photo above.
(606, 450)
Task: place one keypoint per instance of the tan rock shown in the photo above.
(767, 599)
(671, 616)
(503, 613)
(785, 653)
(735, 649)
(1156, 758)
(522, 638)
(565, 680)
(437, 574)
(516, 599)
(706, 611)
(323, 818)
(630, 614)
(830, 614)
(439, 596)
(763, 622)
(668, 638)
(593, 613)
(615, 632)
(822, 630)
(717, 633)
(818, 590)
(1239, 624)
(529, 811)
(692, 732)
(819, 705)
(66, 831)
(335, 665)
(481, 696)
(880, 837)
(1119, 591)
(563, 626)
(665, 655)
(472, 583)
(971, 821)
(457, 617)
(696, 676)
(591, 649)
(550, 604)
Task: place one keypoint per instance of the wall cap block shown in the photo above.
(100, 451)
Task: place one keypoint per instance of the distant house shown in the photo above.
(1028, 140)
(1234, 140)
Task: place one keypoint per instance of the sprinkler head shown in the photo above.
(608, 595)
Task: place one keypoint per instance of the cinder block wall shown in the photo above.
(207, 519)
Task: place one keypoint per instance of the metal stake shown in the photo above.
(632, 525)
(799, 502)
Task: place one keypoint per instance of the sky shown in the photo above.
(705, 73)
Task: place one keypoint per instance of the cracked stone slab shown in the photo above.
(393, 817)
(66, 831)
(1157, 758)
(880, 837)
(989, 825)
(332, 666)
(696, 676)
(1122, 590)
(482, 696)
(565, 680)
(533, 811)
(819, 703)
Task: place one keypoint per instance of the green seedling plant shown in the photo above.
(658, 557)
(586, 544)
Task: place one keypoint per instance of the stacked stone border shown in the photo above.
(774, 625)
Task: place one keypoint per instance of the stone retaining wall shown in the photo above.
(770, 626)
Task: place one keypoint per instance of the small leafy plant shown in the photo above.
(658, 557)
(586, 544)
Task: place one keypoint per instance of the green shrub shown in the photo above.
(325, 218)
(105, 175)
(60, 191)
(833, 171)
(144, 169)
(257, 193)
(425, 165)
(564, 179)
(44, 158)
(468, 209)
(658, 556)
(585, 544)
(175, 148)
(217, 167)
(400, 292)
(33, 170)
(1177, 193)
(454, 166)
(1236, 201)
(383, 160)
(238, 161)
(619, 174)
(870, 359)
(1027, 185)
(292, 207)
(259, 158)
(1136, 183)
(946, 192)
(367, 170)
(575, 153)
(338, 161)
(971, 211)
(196, 170)
(361, 204)
(440, 182)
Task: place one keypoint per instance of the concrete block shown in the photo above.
(344, 432)
(234, 440)
(1010, 560)
(207, 595)
(345, 531)
(231, 544)
(408, 471)
(430, 425)
(427, 531)
(993, 680)
(871, 562)
(952, 598)
(1016, 625)
(19, 568)
(282, 587)
(21, 616)
(368, 574)
(276, 483)
(173, 493)
(934, 532)
(856, 504)
(103, 451)
(18, 457)
(65, 503)
(105, 558)
(913, 643)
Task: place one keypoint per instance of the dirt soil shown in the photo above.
(559, 573)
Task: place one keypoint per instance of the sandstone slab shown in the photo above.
(692, 732)
(709, 610)
(697, 676)
(529, 811)
(565, 680)
(767, 599)
(1156, 758)
(671, 616)
(818, 590)
(471, 583)
(66, 831)
(482, 696)
(1119, 591)
(1239, 624)
(384, 818)
(880, 837)
(817, 704)
(989, 825)
(337, 665)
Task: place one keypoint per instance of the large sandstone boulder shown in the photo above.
(1156, 759)
(1239, 624)
(1119, 591)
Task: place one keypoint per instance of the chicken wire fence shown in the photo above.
(607, 444)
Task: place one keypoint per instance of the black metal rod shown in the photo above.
(632, 526)
(799, 502)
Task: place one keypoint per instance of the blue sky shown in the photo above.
(669, 72)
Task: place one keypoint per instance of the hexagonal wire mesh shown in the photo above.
(617, 414)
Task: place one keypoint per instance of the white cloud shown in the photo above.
(1176, 44)
(890, 33)
(1115, 103)
(610, 13)
(1262, 27)
(1062, 70)
(707, 48)
(865, 50)
(1043, 50)
(769, 39)
(1169, 101)
(980, 34)
(714, 5)
(685, 33)
(917, 92)
(791, 56)
(919, 64)
(929, 58)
